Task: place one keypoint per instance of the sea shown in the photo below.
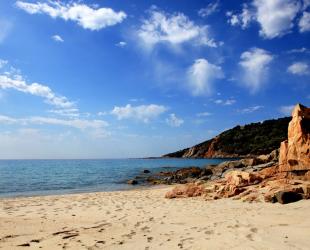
(51, 177)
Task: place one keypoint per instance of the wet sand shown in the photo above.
(144, 219)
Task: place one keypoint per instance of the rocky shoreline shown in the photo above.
(282, 176)
(207, 173)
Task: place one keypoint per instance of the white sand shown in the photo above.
(144, 219)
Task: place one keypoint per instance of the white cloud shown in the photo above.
(227, 102)
(173, 29)
(86, 16)
(299, 68)
(201, 76)
(121, 44)
(57, 38)
(210, 9)
(18, 83)
(255, 64)
(143, 113)
(70, 112)
(304, 22)
(301, 50)
(276, 17)
(75, 123)
(203, 114)
(174, 121)
(102, 113)
(243, 19)
(136, 100)
(39, 120)
(306, 4)
(286, 110)
(5, 27)
(250, 109)
(6, 120)
(3, 63)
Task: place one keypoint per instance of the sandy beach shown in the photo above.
(144, 219)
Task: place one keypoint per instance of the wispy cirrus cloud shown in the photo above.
(227, 102)
(203, 114)
(173, 29)
(250, 109)
(3, 63)
(5, 28)
(201, 77)
(298, 51)
(174, 121)
(143, 113)
(210, 9)
(84, 15)
(17, 82)
(69, 112)
(255, 65)
(58, 38)
(81, 124)
(286, 109)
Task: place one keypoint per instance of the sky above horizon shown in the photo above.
(115, 79)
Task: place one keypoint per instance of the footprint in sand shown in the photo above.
(209, 232)
(250, 237)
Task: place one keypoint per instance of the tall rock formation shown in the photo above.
(295, 152)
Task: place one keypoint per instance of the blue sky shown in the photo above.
(110, 79)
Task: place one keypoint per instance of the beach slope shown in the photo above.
(144, 219)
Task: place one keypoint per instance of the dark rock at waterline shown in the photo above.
(132, 182)
(146, 171)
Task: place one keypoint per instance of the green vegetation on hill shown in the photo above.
(255, 139)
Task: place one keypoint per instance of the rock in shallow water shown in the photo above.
(132, 182)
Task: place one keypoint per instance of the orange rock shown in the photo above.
(188, 190)
(295, 152)
(241, 178)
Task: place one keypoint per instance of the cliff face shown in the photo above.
(241, 141)
(295, 152)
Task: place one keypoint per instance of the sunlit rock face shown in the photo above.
(295, 152)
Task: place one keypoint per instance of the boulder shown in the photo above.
(285, 197)
(146, 171)
(241, 178)
(295, 152)
(191, 172)
(272, 157)
(206, 172)
(188, 190)
(232, 164)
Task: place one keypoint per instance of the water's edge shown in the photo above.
(24, 178)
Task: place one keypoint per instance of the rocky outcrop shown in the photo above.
(241, 141)
(263, 178)
(295, 152)
(206, 173)
(248, 187)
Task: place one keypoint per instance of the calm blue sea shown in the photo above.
(45, 177)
